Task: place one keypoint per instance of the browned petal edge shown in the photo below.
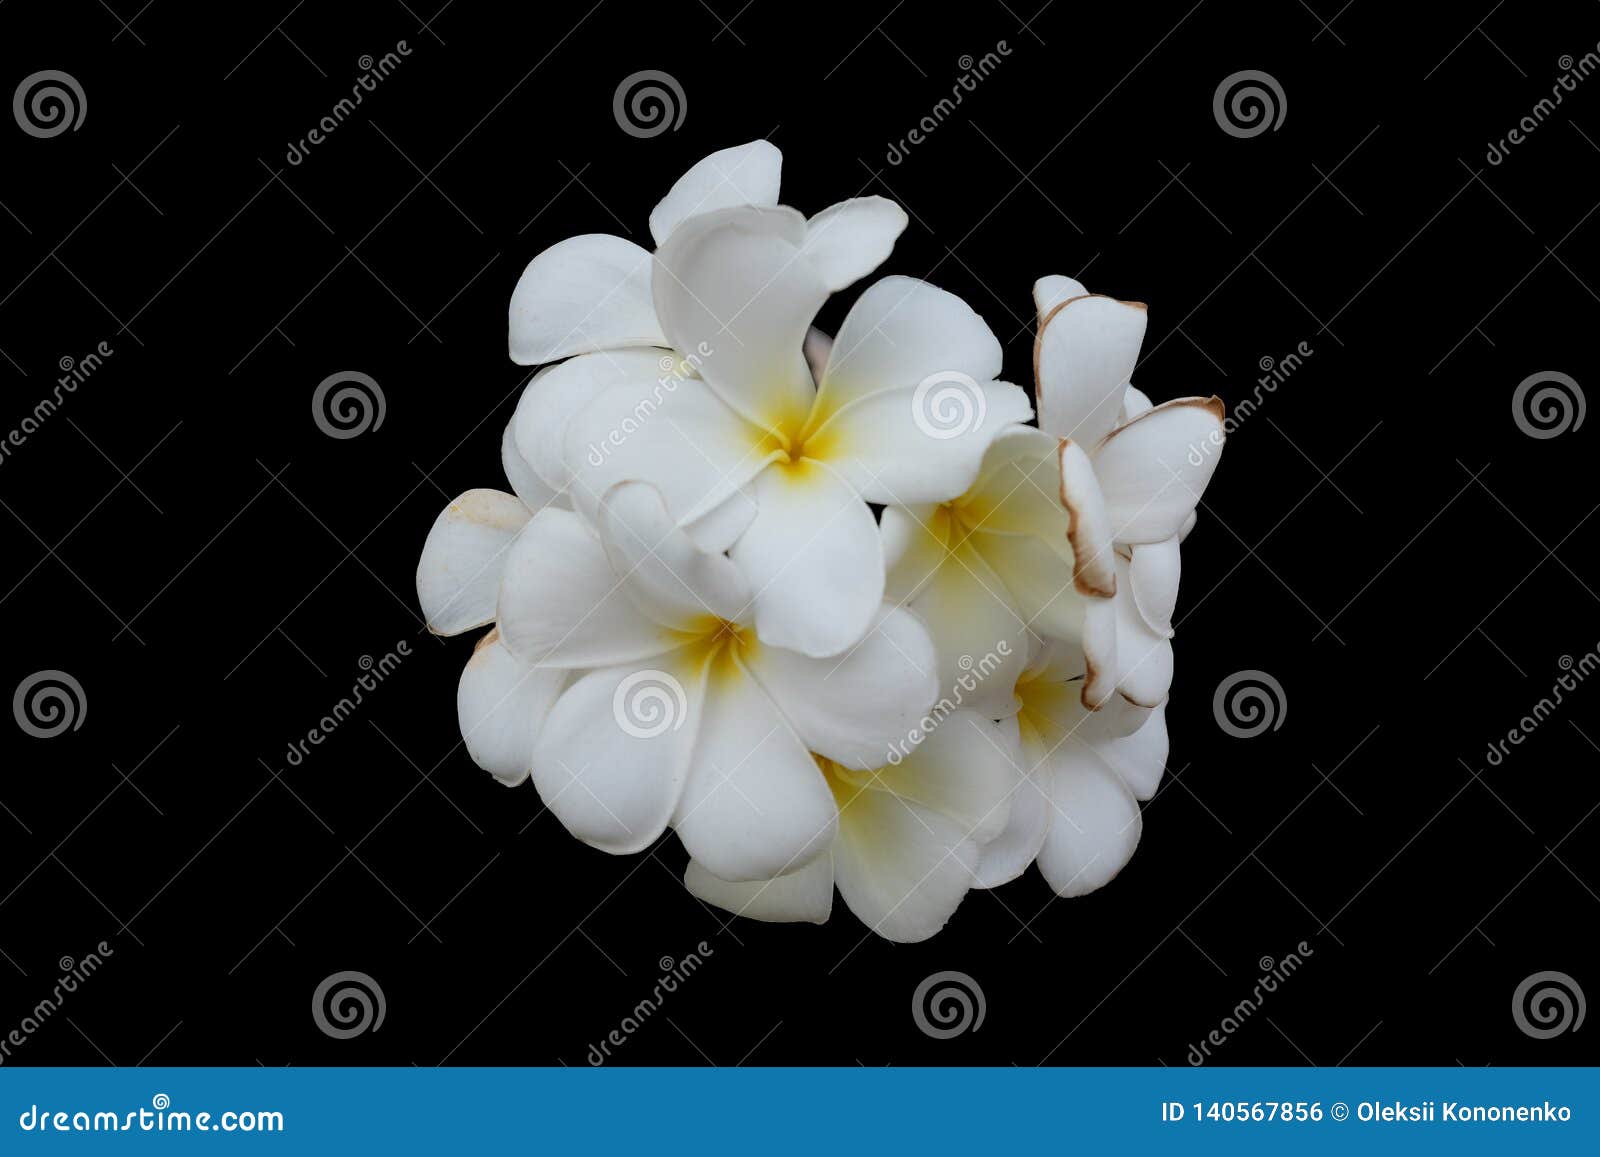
(1212, 405)
(1038, 337)
(488, 640)
(1082, 580)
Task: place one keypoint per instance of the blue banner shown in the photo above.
(812, 1111)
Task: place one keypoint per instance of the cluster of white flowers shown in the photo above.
(700, 622)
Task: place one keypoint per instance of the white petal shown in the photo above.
(814, 558)
(1008, 855)
(856, 709)
(1188, 525)
(720, 527)
(1089, 523)
(1139, 758)
(847, 241)
(502, 703)
(1039, 582)
(685, 441)
(805, 894)
(1085, 351)
(1095, 823)
(1134, 402)
(1049, 292)
(755, 805)
(528, 486)
(732, 289)
(1154, 470)
(980, 639)
(1144, 658)
(669, 578)
(900, 332)
(964, 768)
(1153, 572)
(1100, 658)
(745, 174)
(463, 558)
(558, 393)
(913, 445)
(585, 293)
(817, 349)
(901, 867)
(561, 604)
(614, 753)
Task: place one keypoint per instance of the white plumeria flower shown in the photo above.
(1001, 560)
(800, 458)
(1074, 808)
(909, 836)
(592, 292)
(675, 712)
(1146, 465)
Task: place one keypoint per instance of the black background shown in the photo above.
(1381, 538)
